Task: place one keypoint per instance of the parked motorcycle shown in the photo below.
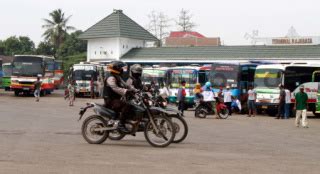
(158, 129)
(205, 108)
(180, 125)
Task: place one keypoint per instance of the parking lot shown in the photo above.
(45, 137)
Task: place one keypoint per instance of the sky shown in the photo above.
(227, 19)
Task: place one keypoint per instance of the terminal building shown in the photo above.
(118, 37)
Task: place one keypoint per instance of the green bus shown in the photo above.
(6, 78)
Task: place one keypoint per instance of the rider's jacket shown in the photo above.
(114, 87)
(135, 83)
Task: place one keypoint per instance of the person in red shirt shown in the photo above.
(181, 97)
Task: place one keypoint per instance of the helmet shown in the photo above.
(208, 84)
(117, 67)
(136, 70)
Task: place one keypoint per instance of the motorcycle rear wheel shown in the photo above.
(200, 112)
(223, 114)
(91, 136)
(166, 132)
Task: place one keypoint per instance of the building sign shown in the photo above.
(291, 41)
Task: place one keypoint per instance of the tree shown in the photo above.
(56, 28)
(45, 48)
(20, 45)
(72, 45)
(184, 21)
(158, 25)
(2, 49)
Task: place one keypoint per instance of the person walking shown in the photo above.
(282, 102)
(100, 86)
(227, 99)
(37, 89)
(71, 91)
(252, 95)
(181, 97)
(301, 108)
(287, 104)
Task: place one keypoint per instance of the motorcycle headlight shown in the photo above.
(164, 104)
(150, 103)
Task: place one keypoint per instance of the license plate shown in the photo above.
(25, 89)
(264, 107)
(83, 90)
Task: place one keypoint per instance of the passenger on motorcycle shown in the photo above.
(114, 89)
(198, 92)
(134, 79)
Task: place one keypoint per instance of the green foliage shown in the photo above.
(72, 45)
(45, 48)
(56, 28)
(14, 45)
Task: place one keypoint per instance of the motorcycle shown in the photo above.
(204, 108)
(158, 129)
(180, 125)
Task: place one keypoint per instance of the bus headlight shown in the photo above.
(276, 100)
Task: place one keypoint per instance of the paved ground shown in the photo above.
(45, 137)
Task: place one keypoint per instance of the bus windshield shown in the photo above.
(27, 68)
(7, 70)
(188, 75)
(84, 75)
(267, 78)
(223, 75)
(153, 75)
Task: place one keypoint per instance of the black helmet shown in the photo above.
(136, 70)
(117, 67)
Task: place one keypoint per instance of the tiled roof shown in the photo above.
(225, 52)
(185, 34)
(117, 24)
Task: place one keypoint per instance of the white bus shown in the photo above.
(269, 77)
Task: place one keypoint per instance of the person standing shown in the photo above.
(301, 108)
(92, 88)
(71, 92)
(227, 99)
(252, 95)
(37, 89)
(288, 103)
(282, 102)
(181, 96)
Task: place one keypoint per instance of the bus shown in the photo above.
(239, 76)
(6, 78)
(192, 75)
(82, 74)
(1, 72)
(26, 69)
(269, 77)
(156, 75)
(58, 74)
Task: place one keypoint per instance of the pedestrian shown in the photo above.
(100, 86)
(71, 91)
(288, 103)
(282, 102)
(236, 105)
(252, 95)
(92, 88)
(37, 89)
(301, 108)
(181, 97)
(227, 99)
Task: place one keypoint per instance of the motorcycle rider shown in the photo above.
(114, 89)
(134, 79)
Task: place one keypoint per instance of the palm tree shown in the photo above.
(56, 28)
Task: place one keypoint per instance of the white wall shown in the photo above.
(111, 48)
(105, 48)
(127, 44)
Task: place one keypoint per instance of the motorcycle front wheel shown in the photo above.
(181, 128)
(164, 137)
(88, 132)
(200, 112)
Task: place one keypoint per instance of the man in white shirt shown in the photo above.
(251, 101)
(227, 96)
(288, 103)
